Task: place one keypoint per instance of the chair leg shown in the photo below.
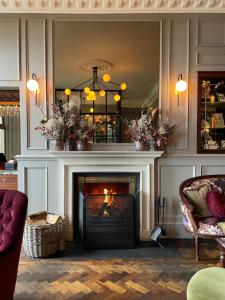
(196, 248)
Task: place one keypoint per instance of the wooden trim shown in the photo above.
(9, 103)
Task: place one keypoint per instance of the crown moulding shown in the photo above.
(111, 6)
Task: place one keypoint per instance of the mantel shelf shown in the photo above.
(124, 154)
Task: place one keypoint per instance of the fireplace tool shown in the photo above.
(159, 229)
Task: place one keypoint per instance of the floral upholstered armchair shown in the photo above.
(202, 202)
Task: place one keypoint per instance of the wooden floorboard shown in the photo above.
(163, 278)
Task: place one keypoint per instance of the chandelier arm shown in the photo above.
(109, 81)
(114, 83)
(77, 86)
(105, 87)
(98, 83)
(92, 85)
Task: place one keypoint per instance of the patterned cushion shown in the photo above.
(210, 181)
(222, 226)
(209, 226)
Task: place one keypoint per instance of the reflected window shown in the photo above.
(104, 113)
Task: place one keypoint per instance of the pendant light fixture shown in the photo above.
(98, 85)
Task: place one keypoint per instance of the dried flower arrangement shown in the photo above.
(66, 123)
(149, 130)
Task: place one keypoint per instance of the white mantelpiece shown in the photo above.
(54, 172)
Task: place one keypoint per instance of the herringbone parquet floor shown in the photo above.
(114, 279)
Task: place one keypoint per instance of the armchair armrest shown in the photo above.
(187, 210)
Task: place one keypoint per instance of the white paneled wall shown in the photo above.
(172, 170)
(9, 49)
(190, 43)
(36, 63)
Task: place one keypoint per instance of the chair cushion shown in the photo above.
(209, 226)
(196, 194)
(216, 203)
(207, 284)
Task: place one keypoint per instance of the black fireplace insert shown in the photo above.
(109, 221)
(106, 211)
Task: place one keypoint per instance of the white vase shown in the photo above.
(57, 146)
(81, 146)
(141, 146)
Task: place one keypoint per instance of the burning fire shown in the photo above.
(107, 201)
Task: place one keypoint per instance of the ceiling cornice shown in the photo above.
(111, 6)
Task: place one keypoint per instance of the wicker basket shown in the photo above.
(43, 234)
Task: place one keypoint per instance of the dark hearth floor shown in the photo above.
(146, 272)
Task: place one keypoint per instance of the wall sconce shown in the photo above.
(181, 86)
(33, 86)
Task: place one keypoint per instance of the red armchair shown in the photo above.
(13, 208)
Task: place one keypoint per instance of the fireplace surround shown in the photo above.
(54, 172)
(124, 161)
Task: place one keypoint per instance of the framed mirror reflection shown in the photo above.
(106, 47)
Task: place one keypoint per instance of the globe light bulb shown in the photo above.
(91, 110)
(32, 85)
(123, 86)
(67, 92)
(117, 97)
(93, 98)
(181, 85)
(88, 97)
(102, 93)
(92, 94)
(106, 77)
(87, 90)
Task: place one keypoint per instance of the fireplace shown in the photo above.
(106, 210)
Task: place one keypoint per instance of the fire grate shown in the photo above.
(108, 221)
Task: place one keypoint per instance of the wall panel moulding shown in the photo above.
(111, 6)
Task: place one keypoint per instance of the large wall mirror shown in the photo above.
(128, 51)
(9, 123)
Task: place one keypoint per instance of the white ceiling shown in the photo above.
(132, 47)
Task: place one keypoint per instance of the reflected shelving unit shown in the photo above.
(211, 112)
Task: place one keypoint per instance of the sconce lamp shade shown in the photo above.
(33, 84)
(181, 85)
